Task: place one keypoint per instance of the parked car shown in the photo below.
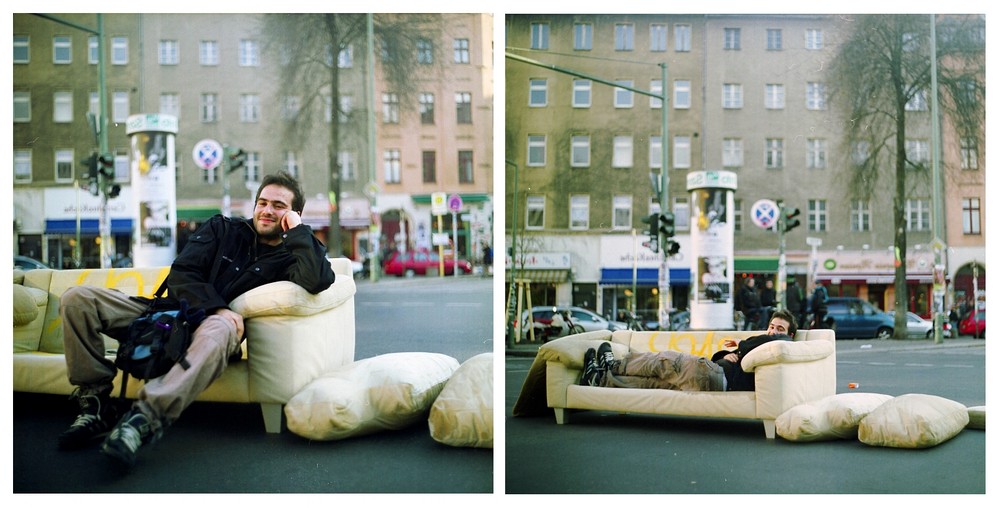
(854, 318)
(918, 327)
(974, 325)
(588, 320)
(26, 263)
(418, 262)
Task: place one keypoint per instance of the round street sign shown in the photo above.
(455, 203)
(207, 154)
(764, 213)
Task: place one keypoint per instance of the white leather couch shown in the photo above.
(787, 373)
(293, 337)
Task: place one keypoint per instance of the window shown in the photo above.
(119, 107)
(773, 39)
(814, 38)
(346, 108)
(170, 104)
(535, 212)
(621, 212)
(290, 106)
(815, 153)
(861, 216)
(390, 107)
(682, 213)
(970, 153)
(539, 36)
(731, 38)
(463, 107)
(918, 215)
(583, 36)
(655, 152)
(392, 165)
(291, 163)
(345, 57)
(22, 166)
(815, 96)
(917, 153)
(461, 47)
(465, 167)
(22, 49)
(623, 97)
(536, 149)
(732, 96)
(860, 152)
(774, 153)
(918, 102)
(249, 107)
(774, 96)
(622, 153)
(537, 93)
(425, 51)
(249, 53)
(732, 153)
(579, 211)
(624, 36)
(682, 94)
(94, 106)
(426, 100)
(209, 107)
(64, 165)
(119, 50)
(580, 151)
(817, 215)
(169, 53)
(682, 152)
(429, 166)
(253, 167)
(208, 53)
(657, 37)
(348, 166)
(62, 49)
(22, 107)
(656, 86)
(682, 38)
(92, 52)
(970, 216)
(737, 215)
(581, 93)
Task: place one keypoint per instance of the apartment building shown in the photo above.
(747, 95)
(219, 76)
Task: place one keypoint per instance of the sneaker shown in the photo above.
(98, 415)
(133, 431)
(591, 373)
(605, 358)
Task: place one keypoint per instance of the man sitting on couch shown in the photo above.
(672, 370)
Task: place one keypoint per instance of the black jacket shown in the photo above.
(737, 380)
(244, 264)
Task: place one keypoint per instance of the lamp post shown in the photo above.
(939, 245)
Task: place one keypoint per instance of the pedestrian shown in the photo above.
(673, 370)
(750, 304)
(953, 319)
(225, 258)
(768, 299)
(818, 306)
(795, 300)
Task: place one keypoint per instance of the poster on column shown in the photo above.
(712, 249)
(154, 188)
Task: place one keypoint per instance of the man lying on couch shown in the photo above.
(672, 370)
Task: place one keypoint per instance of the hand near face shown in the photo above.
(290, 220)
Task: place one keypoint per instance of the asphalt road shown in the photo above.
(607, 452)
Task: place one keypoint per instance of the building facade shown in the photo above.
(747, 95)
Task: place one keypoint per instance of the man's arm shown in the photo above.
(190, 272)
(311, 268)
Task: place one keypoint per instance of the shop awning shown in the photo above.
(541, 276)
(644, 276)
(755, 264)
(87, 226)
(197, 213)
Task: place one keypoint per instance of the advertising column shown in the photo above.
(154, 189)
(711, 296)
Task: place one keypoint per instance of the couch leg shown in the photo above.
(272, 417)
(769, 429)
(562, 415)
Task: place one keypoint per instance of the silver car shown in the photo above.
(587, 320)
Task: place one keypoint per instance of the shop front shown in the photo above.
(630, 277)
(71, 235)
(871, 275)
(537, 276)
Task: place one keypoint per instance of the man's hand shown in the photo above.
(235, 317)
(730, 343)
(290, 220)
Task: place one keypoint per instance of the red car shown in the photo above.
(418, 262)
(974, 325)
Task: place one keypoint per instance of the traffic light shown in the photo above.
(667, 228)
(236, 158)
(106, 170)
(93, 181)
(670, 247)
(788, 219)
(653, 231)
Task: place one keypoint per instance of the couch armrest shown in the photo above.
(781, 385)
(785, 351)
(289, 299)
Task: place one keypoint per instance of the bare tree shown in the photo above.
(312, 49)
(884, 66)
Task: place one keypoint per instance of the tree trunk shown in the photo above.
(334, 245)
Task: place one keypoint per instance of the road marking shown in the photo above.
(882, 363)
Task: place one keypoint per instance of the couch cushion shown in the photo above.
(833, 417)
(25, 305)
(389, 391)
(462, 415)
(29, 318)
(913, 421)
